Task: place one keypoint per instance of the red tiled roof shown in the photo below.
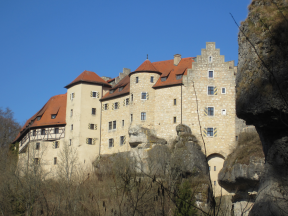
(146, 66)
(169, 70)
(55, 105)
(125, 82)
(90, 77)
(110, 80)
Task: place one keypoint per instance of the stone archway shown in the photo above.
(215, 162)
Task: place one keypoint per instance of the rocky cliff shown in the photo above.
(262, 95)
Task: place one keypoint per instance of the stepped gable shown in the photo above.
(125, 82)
(88, 77)
(56, 105)
(169, 70)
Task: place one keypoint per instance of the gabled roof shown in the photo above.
(169, 70)
(88, 77)
(125, 83)
(55, 105)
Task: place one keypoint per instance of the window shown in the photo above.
(34, 132)
(223, 111)
(114, 125)
(92, 126)
(209, 168)
(95, 94)
(70, 142)
(89, 141)
(210, 90)
(211, 74)
(223, 91)
(127, 101)
(71, 127)
(37, 146)
(111, 143)
(144, 95)
(55, 160)
(179, 76)
(163, 79)
(36, 161)
(121, 88)
(56, 144)
(152, 79)
(56, 130)
(236, 138)
(214, 168)
(131, 117)
(53, 116)
(174, 101)
(137, 79)
(43, 132)
(210, 59)
(116, 105)
(38, 118)
(122, 140)
(131, 97)
(106, 106)
(122, 123)
(214, 182)
(71, 112)
(210, 132)
(110, 125)
(174, 119)
(210, 111)
(111, 91)
(143, 116)
(93, 111)
(72, 96)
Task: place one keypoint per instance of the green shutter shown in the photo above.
(205, 132)
(215, 90)
(124, 140)
(147, 95)
(215, 132)
(206, 111)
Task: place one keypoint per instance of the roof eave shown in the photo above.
(168, 85)
(114, 96)
(87, 82)
(145, 72)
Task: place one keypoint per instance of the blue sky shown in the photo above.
(46, 44)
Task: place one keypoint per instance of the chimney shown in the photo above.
(177, 59)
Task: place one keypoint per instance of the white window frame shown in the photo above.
(113, 125)
(151, 79)
(137, 79)
(88, 142)
(71, 112)
(92, 111)
(91, 127)
(72, 96)
(225, 111)
(95, 94)
(109, 125)
(222, 91)
(208, 91)
(116, 105)
(145, 116)
(212, 132)
(213, 74)
(145, 95)
(208, 110)
(106, 106)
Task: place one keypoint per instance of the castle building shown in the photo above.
(95, 114)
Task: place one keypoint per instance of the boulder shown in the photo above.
(262, 96)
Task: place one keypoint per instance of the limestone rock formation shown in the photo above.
(262, 95)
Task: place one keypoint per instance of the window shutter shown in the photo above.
(206, 111)
(147, 96)
(89, 126)
(113, 142)
(205, 132)
(113, 104)
(94, 141)
(124, 101)
(53, 146)
(91, 94)
(97, 94)
(215, 90)
(87, 140)
(215, 132)
(103, 107)
(118, 105)
(124, 140)
(107, 106)
(95, 126)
